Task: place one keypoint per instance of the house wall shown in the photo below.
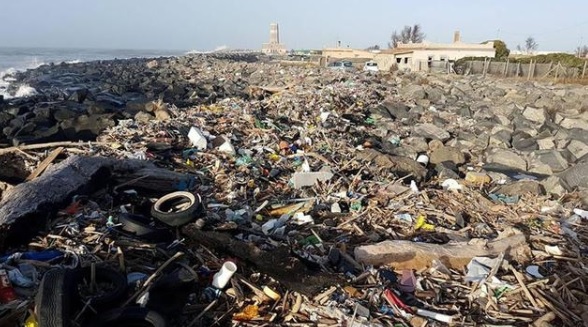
(347, 53)
(420, 58)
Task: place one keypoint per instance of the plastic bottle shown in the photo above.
(7, 293)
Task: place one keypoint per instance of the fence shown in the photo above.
(530, 70)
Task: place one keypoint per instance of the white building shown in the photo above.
(422, 56)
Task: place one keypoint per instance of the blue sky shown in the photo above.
(205, 25)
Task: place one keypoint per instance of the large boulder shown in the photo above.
(552, 158)
(413, 92)
(574, 123)
(535, 115)
(507, 158)
(577, 148)
(447, 153)
(576, 176)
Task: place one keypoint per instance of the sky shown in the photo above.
(304, 24)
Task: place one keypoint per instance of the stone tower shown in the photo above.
(274, 47)
(274, 33)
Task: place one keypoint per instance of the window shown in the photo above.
(347, 64)
(406, 60)
(398, 60)
(443, 58)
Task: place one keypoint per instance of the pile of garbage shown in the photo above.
(302, 205)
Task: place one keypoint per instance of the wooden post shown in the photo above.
(506, 68)
(530, 69)
(557, 70)
(484, 70)
(584, 69)
(550, 66)
(518, 68)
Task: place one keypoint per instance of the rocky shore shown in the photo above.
(509, 126)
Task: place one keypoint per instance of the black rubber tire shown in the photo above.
(56, 298)
(161, 209)
(140, 227)
(130, 317)
(107, 300)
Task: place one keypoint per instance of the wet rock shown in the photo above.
(431, 131)
(63, 114)
(521, 188)
(507, 158)
(447, 153)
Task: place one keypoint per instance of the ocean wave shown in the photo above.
(7, 77)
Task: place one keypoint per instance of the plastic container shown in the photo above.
(222, 277)
(7, 293)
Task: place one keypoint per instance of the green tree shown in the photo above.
(502, 50)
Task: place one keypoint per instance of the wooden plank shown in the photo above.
(45, 163)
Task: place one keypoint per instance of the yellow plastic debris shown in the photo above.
(31, 321)
(421, 223)
(250, 312)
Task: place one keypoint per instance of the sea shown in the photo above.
(20, 59)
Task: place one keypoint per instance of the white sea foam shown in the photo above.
(25, 91)
(6, 77)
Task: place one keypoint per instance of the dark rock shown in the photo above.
(501, 138)
(5, 118)
(524, 142)
(446, 169)
(77, 94)
(63, 114)
(401, 166)
(42, 112)
(521, 188)
(465, 112)
(576, 176)
(431, 131)
(16, 111)
(395, 110)
(434, 95)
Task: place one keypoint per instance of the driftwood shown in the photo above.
(278, 263)
(456, 255)
(26, 208)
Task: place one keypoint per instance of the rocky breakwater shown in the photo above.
(532, 134)
(507, 131)
(77, 101)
